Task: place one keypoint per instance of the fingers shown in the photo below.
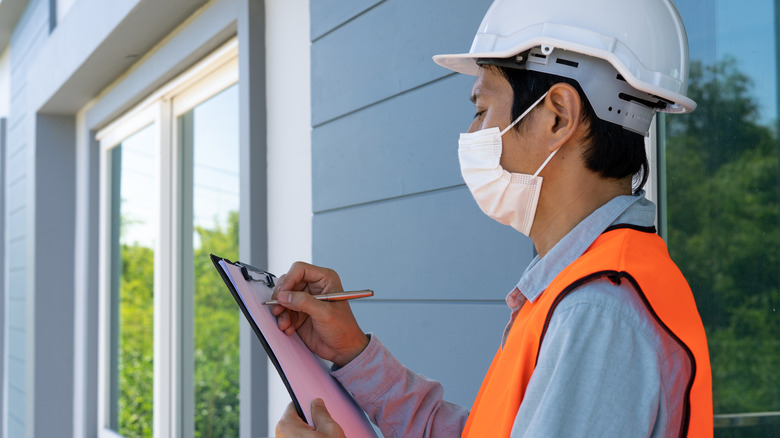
(305, 277)
(285, 321)
(323, 422)
(294, 308)
(302, 277)
(291, 425)
(304, 302)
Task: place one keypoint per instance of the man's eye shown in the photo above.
(479, 114)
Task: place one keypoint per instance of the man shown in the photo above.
(604, 337)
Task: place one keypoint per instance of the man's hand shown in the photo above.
(291, 425)
(329, 329)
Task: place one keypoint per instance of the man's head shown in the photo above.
(626, 60)
(610, 150)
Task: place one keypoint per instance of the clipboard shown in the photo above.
(301, 371)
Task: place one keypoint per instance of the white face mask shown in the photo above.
(509, 198)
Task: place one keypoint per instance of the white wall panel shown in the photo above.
(288, 92)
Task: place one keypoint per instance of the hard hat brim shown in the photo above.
(466, 63)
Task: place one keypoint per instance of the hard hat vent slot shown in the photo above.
(620, 78)
(567, 62)
(629, 98)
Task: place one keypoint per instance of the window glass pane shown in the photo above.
(210, 131)
(721, 202)
(133, 238)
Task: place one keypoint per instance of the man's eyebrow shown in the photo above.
(474, 98)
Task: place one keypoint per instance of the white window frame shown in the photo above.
(213, 74)
(196, 93)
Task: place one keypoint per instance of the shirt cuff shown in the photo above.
(371, 373)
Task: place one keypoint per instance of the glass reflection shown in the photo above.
(722, 205)
(209, 136)
(133, 239)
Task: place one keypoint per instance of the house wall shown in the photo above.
(5, 91)
(391, 212)
(5, 82)
(28, 36)
(379, 197)
(349, 151)
(66, 81)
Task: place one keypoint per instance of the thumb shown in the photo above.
(301, 301)
(323, 422)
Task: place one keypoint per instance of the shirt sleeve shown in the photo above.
(400, 402)
(598, 369)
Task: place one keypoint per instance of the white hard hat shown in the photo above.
(644, 40)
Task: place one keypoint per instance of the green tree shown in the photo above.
(216, 336)
(136, 338)
(723, 232)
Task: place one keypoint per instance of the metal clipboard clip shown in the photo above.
(252, 273)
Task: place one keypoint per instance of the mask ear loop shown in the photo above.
(545, 162)
(525, 113)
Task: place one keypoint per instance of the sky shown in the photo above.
(744, 30)
(215, 143)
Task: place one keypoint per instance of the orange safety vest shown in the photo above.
(619, 254)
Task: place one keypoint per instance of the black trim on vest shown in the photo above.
(615, 277)
(651, 229)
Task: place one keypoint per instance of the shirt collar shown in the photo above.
(627, 209)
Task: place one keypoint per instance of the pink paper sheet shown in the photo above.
(308, 377)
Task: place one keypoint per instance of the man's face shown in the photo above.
(493, 97)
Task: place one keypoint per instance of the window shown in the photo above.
(208, 138)
(61, 8)
(170, 195)
(719, 205)
(133, 242)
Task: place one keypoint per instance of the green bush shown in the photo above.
(216, 352)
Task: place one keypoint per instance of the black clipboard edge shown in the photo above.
(248, 316)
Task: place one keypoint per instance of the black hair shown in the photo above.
(613, 151)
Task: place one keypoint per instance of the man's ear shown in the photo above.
(564, 121)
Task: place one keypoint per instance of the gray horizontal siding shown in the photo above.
(333, 13)
(437, 340)
(436, 245)
(17, 348)
(18, 99)
(17, 220)
(17, 253)
(16, 400)
(16, 314)
(15, 427)
(391, 211)
(16, 393)
(16, 168)
(400, 146)
(16, 282)
(34, 18)
(387, 51)
(16, 362)
(30, 32)
(5, 316)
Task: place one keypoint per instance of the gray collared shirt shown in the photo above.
(605, 368)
